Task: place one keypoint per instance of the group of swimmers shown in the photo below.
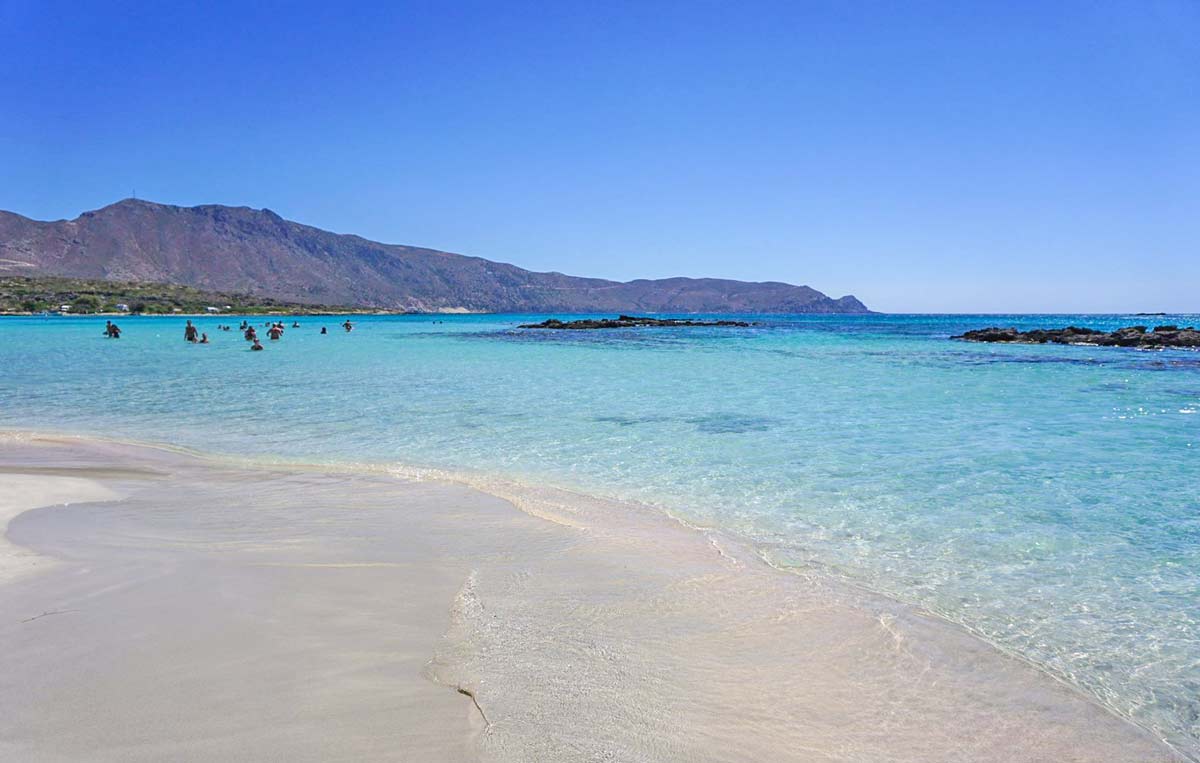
(190, 334)
(195, 336)
(274, 331)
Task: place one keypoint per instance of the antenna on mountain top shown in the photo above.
(135, 194)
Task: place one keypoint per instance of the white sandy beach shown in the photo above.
(162, 606)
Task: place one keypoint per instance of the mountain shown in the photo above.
(238, 249)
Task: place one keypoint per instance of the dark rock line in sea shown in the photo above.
(1130, 336)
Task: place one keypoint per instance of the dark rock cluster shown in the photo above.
(1130, 336)
(625, 321)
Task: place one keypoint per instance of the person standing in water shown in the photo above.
(251, 334)
(323, 331)
(348, 326)
(257, 344)
(204, 339)
(275, 333)
(189, 332)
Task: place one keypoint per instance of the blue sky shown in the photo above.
(925, 156)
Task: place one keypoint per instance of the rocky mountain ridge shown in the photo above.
(253, 251)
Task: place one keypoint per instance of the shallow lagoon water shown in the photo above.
(1045, 497)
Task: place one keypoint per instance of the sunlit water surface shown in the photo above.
(1045, 497)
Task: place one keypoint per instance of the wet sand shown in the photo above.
(187, 608)
(31, 489)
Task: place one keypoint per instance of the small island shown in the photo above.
(626, 321)
(1130, 336)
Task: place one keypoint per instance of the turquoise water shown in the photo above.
(1046, 497)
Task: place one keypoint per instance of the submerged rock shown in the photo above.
(625, 321)
(1130, 336)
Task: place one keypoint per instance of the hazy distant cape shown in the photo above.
(238, 249)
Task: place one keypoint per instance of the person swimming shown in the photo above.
(257, 344)
(323, 330)
(189, 332)
(204, 339)
(295, 324)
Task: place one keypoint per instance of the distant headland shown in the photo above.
(626, 322)
(239, 250)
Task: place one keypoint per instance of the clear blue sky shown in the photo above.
(925, 156)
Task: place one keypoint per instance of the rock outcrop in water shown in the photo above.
(625, 321)
(1130, 336)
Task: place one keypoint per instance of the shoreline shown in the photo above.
(28, 490)
(900, 644)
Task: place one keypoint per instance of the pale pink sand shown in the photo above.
(205, 611)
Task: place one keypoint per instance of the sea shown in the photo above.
(1046, 498)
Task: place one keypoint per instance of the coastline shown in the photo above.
(25, 491)
(547, 607)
